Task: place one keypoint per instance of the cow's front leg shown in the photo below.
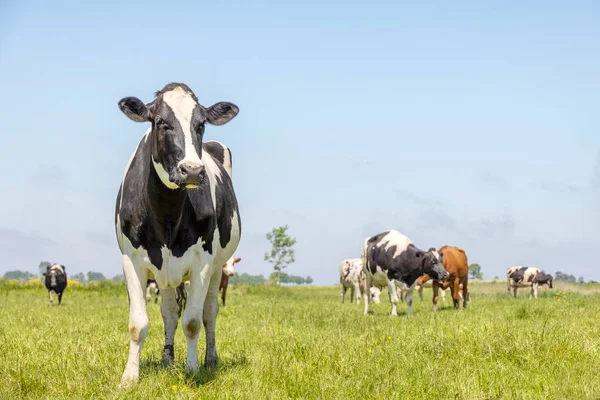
(50, 295)
(209, 318)
(138, 319)
(393, 297)
(436, 288)
(200, 277)
(409, 297)
(534, 290)
(515, 292)
(454, 287)
(60, 298)
(343, 292)
(169, 311)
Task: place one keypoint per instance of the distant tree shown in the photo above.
(80, 277)
(247, 278)
(95, 276)
(118, 278)
(475, 271)
(560, 276)
(282, 254)
(19, 275)
(294, 279)
(581, 280)
(43, 267)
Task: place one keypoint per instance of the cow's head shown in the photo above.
(178, 122)
(228, 267)
(374, 293)
(432, 265)
(543, 279)
(52, 271)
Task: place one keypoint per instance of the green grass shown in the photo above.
(303, 343)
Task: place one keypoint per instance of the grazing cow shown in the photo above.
(455, 262)
(352, 277)
(228, 272)
(176, 219)
(527, 277)
(56, 281)
(152, 288)
(390, 259)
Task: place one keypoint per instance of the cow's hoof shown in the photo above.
(168, 356)
(211, 362)
(129, 379)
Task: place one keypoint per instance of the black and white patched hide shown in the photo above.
(56, 281)
(390, 259)
(176, 219)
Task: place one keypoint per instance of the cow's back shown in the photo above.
(454, 260)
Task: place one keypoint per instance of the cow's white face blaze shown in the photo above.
(228, 268)
(178, 123)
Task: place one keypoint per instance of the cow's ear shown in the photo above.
(135, 109)
(237, 260)
(419, 254)
(221, 113)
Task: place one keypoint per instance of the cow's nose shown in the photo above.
(191, 171)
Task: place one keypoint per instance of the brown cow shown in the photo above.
(455, 262)
(227, 272)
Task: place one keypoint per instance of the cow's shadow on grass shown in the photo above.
(202, 376)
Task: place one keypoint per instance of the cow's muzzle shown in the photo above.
(191, 174)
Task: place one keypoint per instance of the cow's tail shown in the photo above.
(181, 298)
(364, 255)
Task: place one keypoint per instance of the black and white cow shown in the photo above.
(390, 259)
(176, 219)
(527, 277)
(152, 289)
(56, 281)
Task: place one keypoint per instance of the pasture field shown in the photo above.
(301, 342)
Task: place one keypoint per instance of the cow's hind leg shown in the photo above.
(515, 292)
(454, 287)
(356, 292)
(169, 311)
(343, 294)
(192, 318)
(465, 292)
(421, 292)
(59, 298)
(50, 295)
(135, 278)
(209, 318)
(367, 292)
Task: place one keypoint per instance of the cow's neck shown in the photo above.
(166, 206)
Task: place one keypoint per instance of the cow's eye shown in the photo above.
(161, 123)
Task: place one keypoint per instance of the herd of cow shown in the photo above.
(177, 225)
(390, 260)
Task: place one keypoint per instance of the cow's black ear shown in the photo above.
(221, 113)
(135, 109)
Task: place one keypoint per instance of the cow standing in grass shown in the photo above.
(352, 277)
(56, 281)
(152, 289)
(455, 262)
(527, 277)
(228, 272)
(176, 219)
(390, 258)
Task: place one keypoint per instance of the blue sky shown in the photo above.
(464, 123)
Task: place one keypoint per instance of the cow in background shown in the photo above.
(352, 277)
(455, 262)
(391, 257)
(527, 277)
(228, 272)
(152, 289)
(56, 281)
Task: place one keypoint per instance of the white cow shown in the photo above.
(352, 277)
